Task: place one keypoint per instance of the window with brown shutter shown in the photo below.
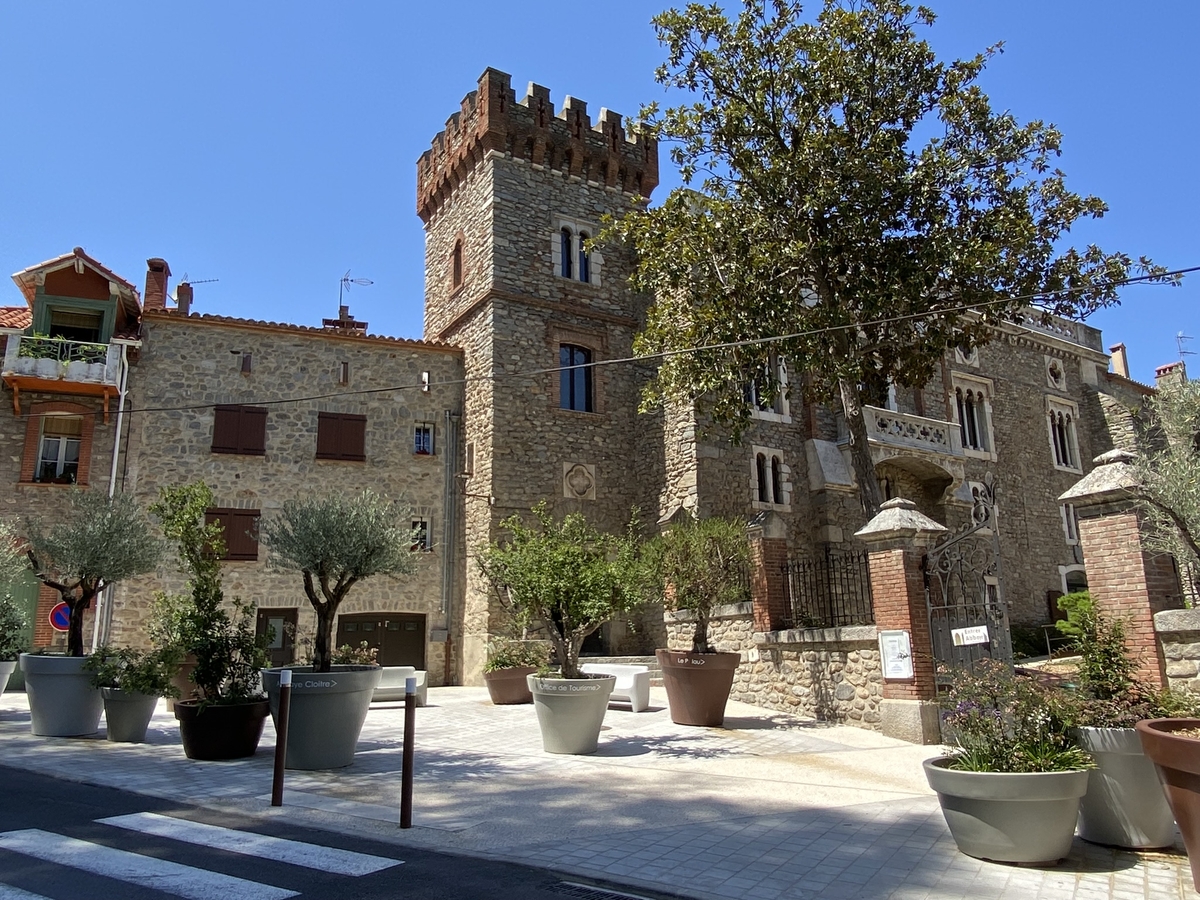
(240, 429)
(240, 527)
(341, 436)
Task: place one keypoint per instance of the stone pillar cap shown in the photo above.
(1113, 478)
(899, 518)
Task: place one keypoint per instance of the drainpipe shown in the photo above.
(104, 602)
(449, 530)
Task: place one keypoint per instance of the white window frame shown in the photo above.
(64, 442)
(983, 389)
(422, 531)
(417, 427)
(781, 410)
(1070, 523)
(771, 456)
(1056, 406)
(575, 227)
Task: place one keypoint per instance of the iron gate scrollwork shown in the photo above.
(968, 617)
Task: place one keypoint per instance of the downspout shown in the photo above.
(104, 603)
(449, 532)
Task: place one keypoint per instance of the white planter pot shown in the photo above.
(570, 711)
(326, 713)
(7, 667)
(62, 701)
(1009, 816)
(126, 715)
(1124, 805)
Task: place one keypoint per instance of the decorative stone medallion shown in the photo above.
(579, 481)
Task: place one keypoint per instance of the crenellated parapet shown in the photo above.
(566, 141)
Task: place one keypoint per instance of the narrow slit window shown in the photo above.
(776, 481)
(566, 251)
(584, 261)
(760, 472)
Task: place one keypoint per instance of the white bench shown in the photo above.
(391, 685)
(633, 683)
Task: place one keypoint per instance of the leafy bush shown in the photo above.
(362, 655)
(1028, 641)
(1080, 609)
(133, 671)
(12, 622)
(504, 654)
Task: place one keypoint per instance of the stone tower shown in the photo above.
(509, 193)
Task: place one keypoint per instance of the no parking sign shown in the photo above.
(60, 617)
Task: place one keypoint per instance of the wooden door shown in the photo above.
(282, 625)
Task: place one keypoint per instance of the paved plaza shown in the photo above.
(768, 807)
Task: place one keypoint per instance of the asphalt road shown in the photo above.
(64, 840)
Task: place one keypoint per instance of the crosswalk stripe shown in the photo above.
(8, 892)
(296, 853)
(145, 871)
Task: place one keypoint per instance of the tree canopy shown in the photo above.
(851, 203)
(335, 542)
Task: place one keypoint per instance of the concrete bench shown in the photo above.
(633, 683)
(391, 685)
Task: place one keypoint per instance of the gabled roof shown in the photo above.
(27, 279)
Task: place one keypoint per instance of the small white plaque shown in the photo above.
(965, 637)
(895, 649)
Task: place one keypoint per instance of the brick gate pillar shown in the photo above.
(767, 533)
(1125, 579)
(897, 539)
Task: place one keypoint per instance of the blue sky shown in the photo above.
(273, 145)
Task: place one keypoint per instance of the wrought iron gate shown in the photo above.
(968, 618)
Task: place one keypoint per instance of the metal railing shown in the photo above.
(62, 350)
(829, 590)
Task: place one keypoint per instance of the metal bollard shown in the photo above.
(406, 768)
(281, 730)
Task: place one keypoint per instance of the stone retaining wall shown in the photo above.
(1178, 633)
(833, 674)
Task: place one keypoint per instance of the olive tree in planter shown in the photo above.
(99, 542)
(700, 564)
(12, 619)
(567, 578)
(224, 720)
(334, 542)
(131, 681)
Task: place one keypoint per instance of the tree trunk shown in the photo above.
(75, 626)
(860, 451)
(323, 640)
(700, 635)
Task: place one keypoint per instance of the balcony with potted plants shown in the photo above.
(61, 366)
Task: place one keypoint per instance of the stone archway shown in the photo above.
(920, 480)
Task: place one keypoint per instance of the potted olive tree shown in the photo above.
(567, 578)
(334, 542)
(12, 619)
(99, 542)
(1010, 788)
(701, 564)
(131, 681)
(224, 719)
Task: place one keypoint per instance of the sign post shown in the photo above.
(281, 732)
(406, 766)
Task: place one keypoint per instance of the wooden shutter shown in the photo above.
(239, 527)
(240, 429)
(341, 436)
(225, 429)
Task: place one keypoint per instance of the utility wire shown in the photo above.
(669, 354)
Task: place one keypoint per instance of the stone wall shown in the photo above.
(1178, 633)
(832, 674)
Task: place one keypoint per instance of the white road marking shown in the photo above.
(145, 871)
(296, 853)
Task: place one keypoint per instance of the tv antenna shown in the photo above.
(185, 280)
(1180, 338)
(344, 286)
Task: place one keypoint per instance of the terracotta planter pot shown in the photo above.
(506, 686)
(221, 732)
(1019, 817)
(698, 685)
(1178, 761)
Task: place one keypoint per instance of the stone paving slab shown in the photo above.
(769, 807)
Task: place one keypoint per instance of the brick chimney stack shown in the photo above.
(1170, 375)
(183, 298)
(1120, 360)
(157, 273)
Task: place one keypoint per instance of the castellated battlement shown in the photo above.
(568, 142)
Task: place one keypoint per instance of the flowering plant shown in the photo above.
(1001, 721)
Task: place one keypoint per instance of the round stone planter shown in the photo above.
(698, 685)
(126, 715)
(1124, 805)
(570, 711)
(1177, 758)
(220, 731)
(62, 701)
(326, 715)
(7, 667)
(508, 686)
(1019, 817)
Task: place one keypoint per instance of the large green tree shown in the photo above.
(1169, 474)
(846, 194)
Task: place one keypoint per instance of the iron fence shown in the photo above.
(829, 590)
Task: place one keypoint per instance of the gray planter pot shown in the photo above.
(62, 701)
(1124, 805)
(326, 714)
(7, 667)
(1007, 816)
(570, 711)
(127, 715)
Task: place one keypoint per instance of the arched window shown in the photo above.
(456, 265)
(565, 251)
(584, 262)
(776, 480)
(760, 468)
(575, 378)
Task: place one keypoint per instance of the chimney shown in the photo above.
(1120, 360)
(157, 273)
(183, 298)
(1170, 375)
